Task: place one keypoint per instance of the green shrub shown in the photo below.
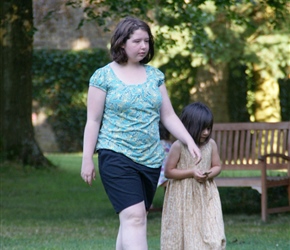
(60, 84)
(237, 200)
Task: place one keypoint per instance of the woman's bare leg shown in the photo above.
(119, 243)
(132, 233)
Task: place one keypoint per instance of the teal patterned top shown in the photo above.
(131, 116)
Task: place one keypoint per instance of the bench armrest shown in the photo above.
(263, 157)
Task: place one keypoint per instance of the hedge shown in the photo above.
(60, 84)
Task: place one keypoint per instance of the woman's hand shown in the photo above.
(195, 152)
(88, 172)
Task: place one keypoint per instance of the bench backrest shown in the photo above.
(240, 144)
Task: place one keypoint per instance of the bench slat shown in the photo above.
(247, 147)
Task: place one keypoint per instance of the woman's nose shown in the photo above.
(143, 44)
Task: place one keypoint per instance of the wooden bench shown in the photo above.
(255, 146)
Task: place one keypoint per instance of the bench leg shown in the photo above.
(264, 207)
(264, 204)
(288, 190)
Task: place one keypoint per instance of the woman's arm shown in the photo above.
(173, 124)
(95, 109)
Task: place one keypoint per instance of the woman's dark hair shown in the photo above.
(122, 33)
(196, 117)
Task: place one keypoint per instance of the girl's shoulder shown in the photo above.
(212, 143)
(177, 145)
(176, 149)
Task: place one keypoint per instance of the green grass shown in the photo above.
(55, 209)
(253, 173)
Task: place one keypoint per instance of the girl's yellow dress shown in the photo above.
(192, 215)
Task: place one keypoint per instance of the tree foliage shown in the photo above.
(245, 34)
(207, 27)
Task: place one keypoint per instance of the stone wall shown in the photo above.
(57, 24)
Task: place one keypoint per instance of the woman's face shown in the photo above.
(137, 46)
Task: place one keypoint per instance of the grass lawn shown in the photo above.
(55, 209)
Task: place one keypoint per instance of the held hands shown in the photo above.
(199, 176)
(88, 172)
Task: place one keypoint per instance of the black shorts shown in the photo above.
(125, 181)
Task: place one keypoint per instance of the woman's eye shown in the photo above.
(138, 41)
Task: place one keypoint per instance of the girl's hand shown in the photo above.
(88, 172)
(200, 176)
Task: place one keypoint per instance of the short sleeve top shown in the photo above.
(130, 123)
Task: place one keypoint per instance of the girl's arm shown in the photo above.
(171, 172)
(173, 124)
(215, 161)
(95, 109)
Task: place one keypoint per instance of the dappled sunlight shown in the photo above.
(43, 132)
(81, 43)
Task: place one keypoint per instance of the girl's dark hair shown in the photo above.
(122, 33)
(163, 132)
(196, 117)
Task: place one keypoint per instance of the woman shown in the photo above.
(126, 100)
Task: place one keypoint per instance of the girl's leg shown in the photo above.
(132, 233)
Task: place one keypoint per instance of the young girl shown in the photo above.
(126, 100)
(192, 215)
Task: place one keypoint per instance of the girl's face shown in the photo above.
(137, 46)
(204, 134)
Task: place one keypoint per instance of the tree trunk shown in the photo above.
(16, 38)
(267, 102)
(212, 89)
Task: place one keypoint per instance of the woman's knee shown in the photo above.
(135, 215)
